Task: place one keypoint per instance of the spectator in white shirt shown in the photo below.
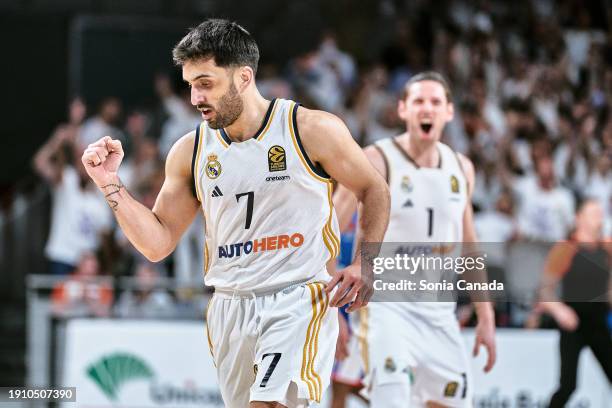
(546, 209)
(79, 214)
(103, 123)
(599, 185)
(572, 157)
(498, 224)
(182, 116)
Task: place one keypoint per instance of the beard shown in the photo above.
(229, 109)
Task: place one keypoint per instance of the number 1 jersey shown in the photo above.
(427, 204)
(427, 207)
(269, 219)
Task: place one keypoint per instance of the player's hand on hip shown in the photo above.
(351, 287)
(102, 159)
(485, 336)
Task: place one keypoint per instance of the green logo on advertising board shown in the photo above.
(112, 371)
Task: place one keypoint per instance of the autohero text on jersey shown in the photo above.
(272, 243)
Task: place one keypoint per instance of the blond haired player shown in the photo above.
(261, 172)
(413, 350)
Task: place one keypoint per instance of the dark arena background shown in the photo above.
(531, 85)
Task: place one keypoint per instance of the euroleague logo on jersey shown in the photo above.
(273, 243)
(277, 160)
(454, 183)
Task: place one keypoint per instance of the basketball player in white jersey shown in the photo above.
(413, 350)
(261, 172)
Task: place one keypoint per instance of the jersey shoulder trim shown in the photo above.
(225, 140)
(267, 120)
(315, 171)
(385, 160)
(223, 137)
(404, 153)
(331, 241)
(195, 160)
(410, 159)
(451, 152)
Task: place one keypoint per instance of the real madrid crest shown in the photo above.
(454, 182)
(389, 365)
(213, 167)
(407, 185)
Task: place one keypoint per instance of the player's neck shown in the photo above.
(251, 118)
(424, 152)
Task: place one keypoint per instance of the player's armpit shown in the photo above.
(470, 239)
(328, 142)
(345, 202)
(377, 159)
(468, 171)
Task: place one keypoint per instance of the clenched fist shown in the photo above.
(102, 159)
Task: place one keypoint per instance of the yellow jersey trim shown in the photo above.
(223, 143)
(197, 164)
(310, 350)
(297, 148)
(206, 258)
(269, 122)
(362, 337)
(334, 238)
(323, 302)
(210, 344)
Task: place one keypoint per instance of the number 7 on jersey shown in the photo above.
(250, 198)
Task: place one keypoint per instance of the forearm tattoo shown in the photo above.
(115, 190)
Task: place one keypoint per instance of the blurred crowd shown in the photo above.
(531, 90)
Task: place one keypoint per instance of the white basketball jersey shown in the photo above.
(269, 217)
(427, 205)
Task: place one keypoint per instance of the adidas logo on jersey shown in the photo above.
(262, 244)
(217, 192)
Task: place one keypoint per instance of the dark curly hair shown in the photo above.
(227, 42)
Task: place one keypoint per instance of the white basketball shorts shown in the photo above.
(274, 347)
(430, 358)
